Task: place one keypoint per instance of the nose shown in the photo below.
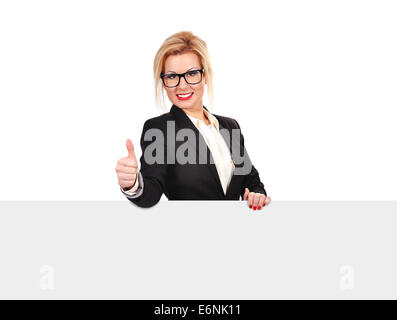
(183, 84)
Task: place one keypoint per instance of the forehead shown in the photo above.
(181, 62)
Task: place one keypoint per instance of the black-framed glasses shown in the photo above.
(171, 80)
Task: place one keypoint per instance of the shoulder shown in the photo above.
(159, 122)
(227, 121)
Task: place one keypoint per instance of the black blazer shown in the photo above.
(191, 181)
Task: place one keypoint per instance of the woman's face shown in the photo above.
(180, 64)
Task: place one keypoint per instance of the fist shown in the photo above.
(127, 168)
(256, 200)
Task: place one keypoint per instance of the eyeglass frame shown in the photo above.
(162, 75)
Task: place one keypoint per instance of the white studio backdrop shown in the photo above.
(312, 84)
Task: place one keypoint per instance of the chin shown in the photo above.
(183, 105)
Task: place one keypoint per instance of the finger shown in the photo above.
(127, 182)
(127, 170)
(261, 201)
(267, 201)
(127, 162)
(255, 201)
(250, 199)
(130, 148)
(126, 176)
(246, 193)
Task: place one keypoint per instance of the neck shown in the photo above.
(199, 114)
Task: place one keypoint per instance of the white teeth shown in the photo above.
(184, 95)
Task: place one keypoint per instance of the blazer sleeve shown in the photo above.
(153, 175)
(251, 180)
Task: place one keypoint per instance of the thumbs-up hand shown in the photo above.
(256, 200)
(127, 168)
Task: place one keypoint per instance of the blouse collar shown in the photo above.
(211, 118)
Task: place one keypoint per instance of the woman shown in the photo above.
(212, 168)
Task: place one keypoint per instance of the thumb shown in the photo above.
(246, 194)
(130, 148)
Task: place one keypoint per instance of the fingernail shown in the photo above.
(254, 208)
(250, 207)
(259, 208)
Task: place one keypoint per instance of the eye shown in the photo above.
(192, 73)
(170, 76)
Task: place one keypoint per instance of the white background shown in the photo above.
(312, 84)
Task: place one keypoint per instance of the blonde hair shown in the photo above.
(178, 43)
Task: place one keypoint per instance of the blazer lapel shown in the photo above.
(183, 121)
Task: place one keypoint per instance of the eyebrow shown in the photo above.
(186, 70)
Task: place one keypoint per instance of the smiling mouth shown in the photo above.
(184, 96)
